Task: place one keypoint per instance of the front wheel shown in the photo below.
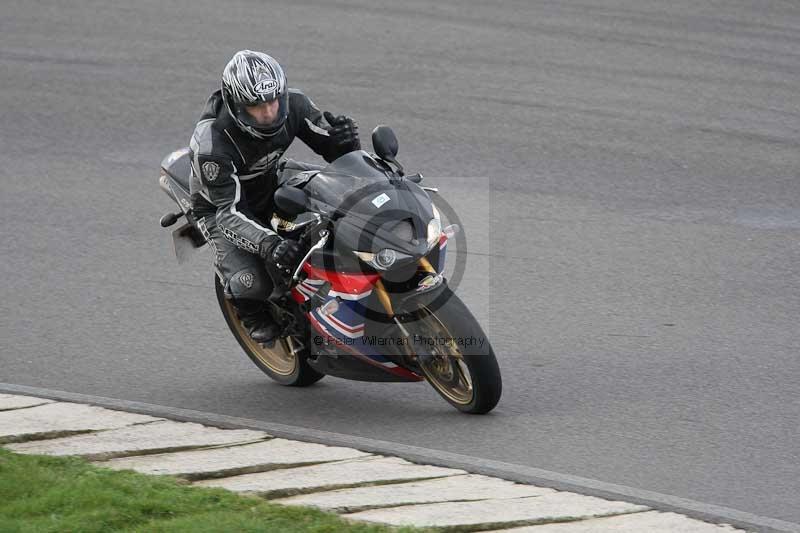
(453, 352)
(285, 362)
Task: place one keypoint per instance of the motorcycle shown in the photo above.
(369, 301)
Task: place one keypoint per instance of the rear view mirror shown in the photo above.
(384, 142)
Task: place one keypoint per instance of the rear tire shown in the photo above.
(285, 362)
(467, 377)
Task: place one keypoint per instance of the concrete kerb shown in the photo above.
(518, 473)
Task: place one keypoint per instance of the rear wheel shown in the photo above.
(285, 361)
(455, 355)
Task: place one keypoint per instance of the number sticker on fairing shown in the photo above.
(380, 199)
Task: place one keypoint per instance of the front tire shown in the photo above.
(468, 377)
(285, 362)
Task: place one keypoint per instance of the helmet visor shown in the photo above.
(264, 115)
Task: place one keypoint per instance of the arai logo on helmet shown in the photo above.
(266, 86)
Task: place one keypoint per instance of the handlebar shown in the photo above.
(317, 233)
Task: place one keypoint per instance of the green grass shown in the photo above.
(54, 494)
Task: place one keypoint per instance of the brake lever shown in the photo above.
(323, 234)
(282, 286)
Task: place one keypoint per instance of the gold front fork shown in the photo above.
(426, 265)
(383, 296)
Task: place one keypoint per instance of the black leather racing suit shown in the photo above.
(234, 176)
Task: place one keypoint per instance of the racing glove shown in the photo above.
(283, 253)
(343, 132)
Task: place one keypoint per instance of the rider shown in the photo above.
(245, 128)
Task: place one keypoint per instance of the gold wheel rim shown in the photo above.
(281, 358)
(447, 371)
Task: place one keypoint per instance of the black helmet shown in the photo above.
(251, 78)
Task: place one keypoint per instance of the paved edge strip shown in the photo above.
(520, 473)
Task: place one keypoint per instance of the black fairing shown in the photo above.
(347, 367)
(373, 208)
(290, 201)
(178, 165)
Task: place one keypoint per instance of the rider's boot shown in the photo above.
(258, 322)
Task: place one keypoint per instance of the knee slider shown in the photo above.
(248, 284)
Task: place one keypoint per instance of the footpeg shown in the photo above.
(170, 219)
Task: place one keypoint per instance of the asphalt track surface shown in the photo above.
(627, 173)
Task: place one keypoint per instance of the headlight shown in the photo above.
(434, 228)
(386, 258)
(383, 260)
